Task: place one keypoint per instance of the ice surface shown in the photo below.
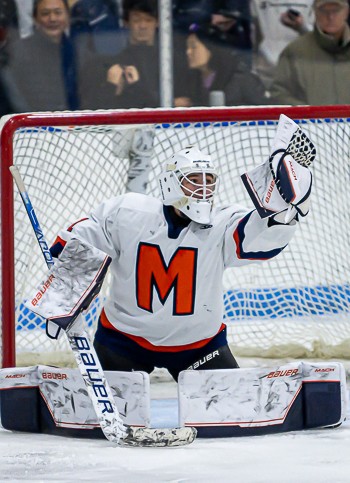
(314, 456)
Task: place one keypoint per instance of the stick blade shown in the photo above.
(159, 437)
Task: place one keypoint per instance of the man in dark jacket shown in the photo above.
(42, 69)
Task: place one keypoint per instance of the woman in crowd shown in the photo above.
(215, 67)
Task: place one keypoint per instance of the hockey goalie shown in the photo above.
(165, 306)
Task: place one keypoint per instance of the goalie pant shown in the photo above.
(118, 352)
(166, 289)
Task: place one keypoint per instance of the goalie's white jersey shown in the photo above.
(166, 289)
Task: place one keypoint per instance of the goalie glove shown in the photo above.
(283, 183)
(293, 182)
(70, 286)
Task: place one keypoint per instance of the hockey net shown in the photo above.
(297, 305)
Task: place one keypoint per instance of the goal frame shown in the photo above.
(94, 118)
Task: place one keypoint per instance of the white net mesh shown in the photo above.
(295, 305)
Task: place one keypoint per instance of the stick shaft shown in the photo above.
(32, 216)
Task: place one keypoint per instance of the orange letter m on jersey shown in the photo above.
(153, 273)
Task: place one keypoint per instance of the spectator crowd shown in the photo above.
(104, 54)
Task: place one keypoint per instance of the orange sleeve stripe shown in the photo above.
(60, 241)
(147, 345)
(70, 228)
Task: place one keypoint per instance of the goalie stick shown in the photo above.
(91, 370)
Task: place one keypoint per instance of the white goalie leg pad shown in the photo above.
(70, 407)
(71, 284)
(67, 399)
(262, 399)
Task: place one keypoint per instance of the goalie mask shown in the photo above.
(188, 184)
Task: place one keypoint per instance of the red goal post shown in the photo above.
(238, 138)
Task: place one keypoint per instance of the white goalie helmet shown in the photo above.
(189, 183)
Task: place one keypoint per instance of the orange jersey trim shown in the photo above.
(60, 241)
(70, 228)
(147, 345)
